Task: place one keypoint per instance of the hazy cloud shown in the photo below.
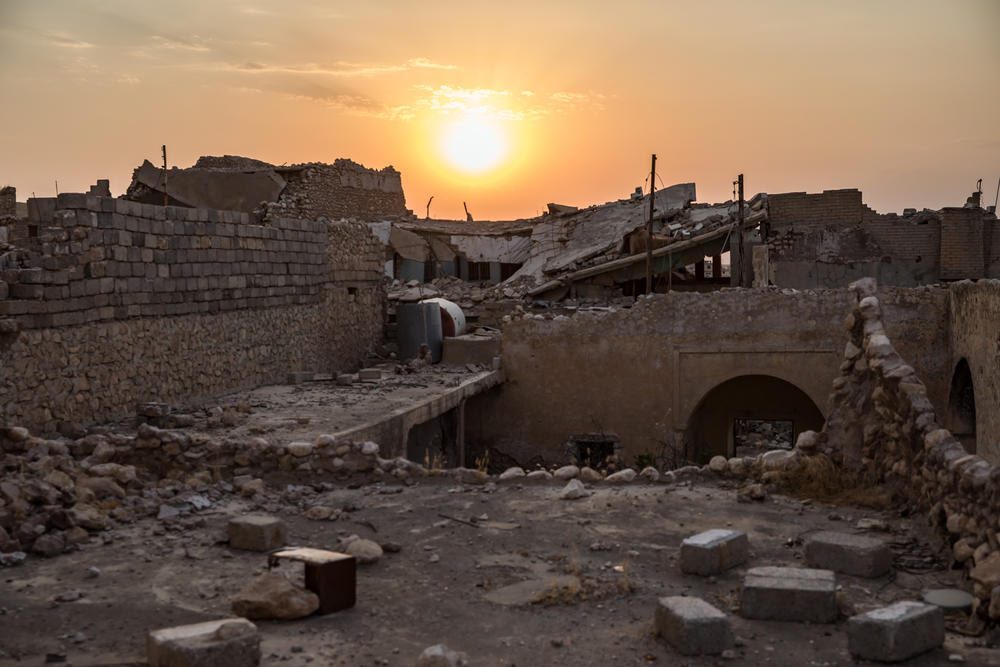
(68, 42)
(341, 68)
(195, 44)
(502, 104)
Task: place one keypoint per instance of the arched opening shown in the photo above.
(747, 399)
(962, 407)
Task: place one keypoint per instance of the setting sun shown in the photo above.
(474, 144)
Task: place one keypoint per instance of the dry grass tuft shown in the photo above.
(817, 477)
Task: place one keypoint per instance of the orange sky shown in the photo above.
(900, 98)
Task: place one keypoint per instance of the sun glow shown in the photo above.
(474, 144)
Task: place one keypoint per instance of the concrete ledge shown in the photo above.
(693, 626)
(790, 594)
(714, 551)
(897, 632)
(851, 554)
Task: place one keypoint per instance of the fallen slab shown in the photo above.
(693, 626)
(856, 555)
(229, 642)
(714, 551)
(790, 594)
(897, 632)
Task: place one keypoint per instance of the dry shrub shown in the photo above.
(817, 477)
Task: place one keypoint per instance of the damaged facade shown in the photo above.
(230, 348)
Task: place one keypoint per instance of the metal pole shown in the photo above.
(739, 237)
(649, 227)
(166, 199)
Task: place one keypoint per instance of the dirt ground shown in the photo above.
(490, 589)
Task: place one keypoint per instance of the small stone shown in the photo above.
(93, 572)
(252, 488)
(566, 472)
(650, 474)
(50, 544)
(621, 477)
(365, 551)
(538, 475)
(319, 513)
(994, 609)
(987, 573)
(511, 473)
(69, 596)
(588, 474)
(369, 448)
(299, 449)
(272, 596)
(434, 558)
(440, 655)
(471, 476)
(807, 441)
(718, 464)
(573, 490)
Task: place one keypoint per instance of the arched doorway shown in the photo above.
(746, 398)
(962, 407)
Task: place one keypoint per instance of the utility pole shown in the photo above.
(166, 199)
(428, 216)
(736, 241)
(649, 227)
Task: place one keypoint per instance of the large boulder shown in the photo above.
(272, 596)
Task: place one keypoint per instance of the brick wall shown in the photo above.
(962, 243)
(114, 302)
(812, 212)
(8, 202)
(341, 190)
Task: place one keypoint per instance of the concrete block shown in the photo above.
(298, 377)
(714, 551)
(856, 555)
(370, 375)
(897, 632)
(693, 626)
(256, 532)
(229, 642)
(790, 594)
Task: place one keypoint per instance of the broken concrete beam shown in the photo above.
(370, 375)
(790, 594)
(856, 555)
(255, 532)
(714, 551)
(693, 626)
(229, 642)
(298, 377)
(897, 632)
(345, 379)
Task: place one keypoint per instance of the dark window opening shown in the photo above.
(755, 436)
(479, 271)
(962, 407)
(508, 269)
(597, 450)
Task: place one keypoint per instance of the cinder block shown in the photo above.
(230, 642)
(857, 555)
(897, 632)
(693, 626)
(255, 532)
(714, 551)
(790, 594)
(370, 374)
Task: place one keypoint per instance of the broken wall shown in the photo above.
(975, 337)
(8, 202)
(343, 189)
(643, 372)
(114, 302)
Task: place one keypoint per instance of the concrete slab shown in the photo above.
(790, 594)
(857, 555)
(714, 551)
(897, 632)
(229, 642)
(693, 626)
(470, 349)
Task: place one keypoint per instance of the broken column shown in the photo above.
(693, 626)
(897, 632)
(229, 642)
(790, 594)
(714, 551)
(856, 555)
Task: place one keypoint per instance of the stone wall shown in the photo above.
(339, 190)
(884, 426)
(643, 372)
(975, 337)
(112, 303)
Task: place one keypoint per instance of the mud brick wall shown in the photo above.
(342, 190)
(962, 243)
(8, 202)
(812, 212)
(115, 302)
